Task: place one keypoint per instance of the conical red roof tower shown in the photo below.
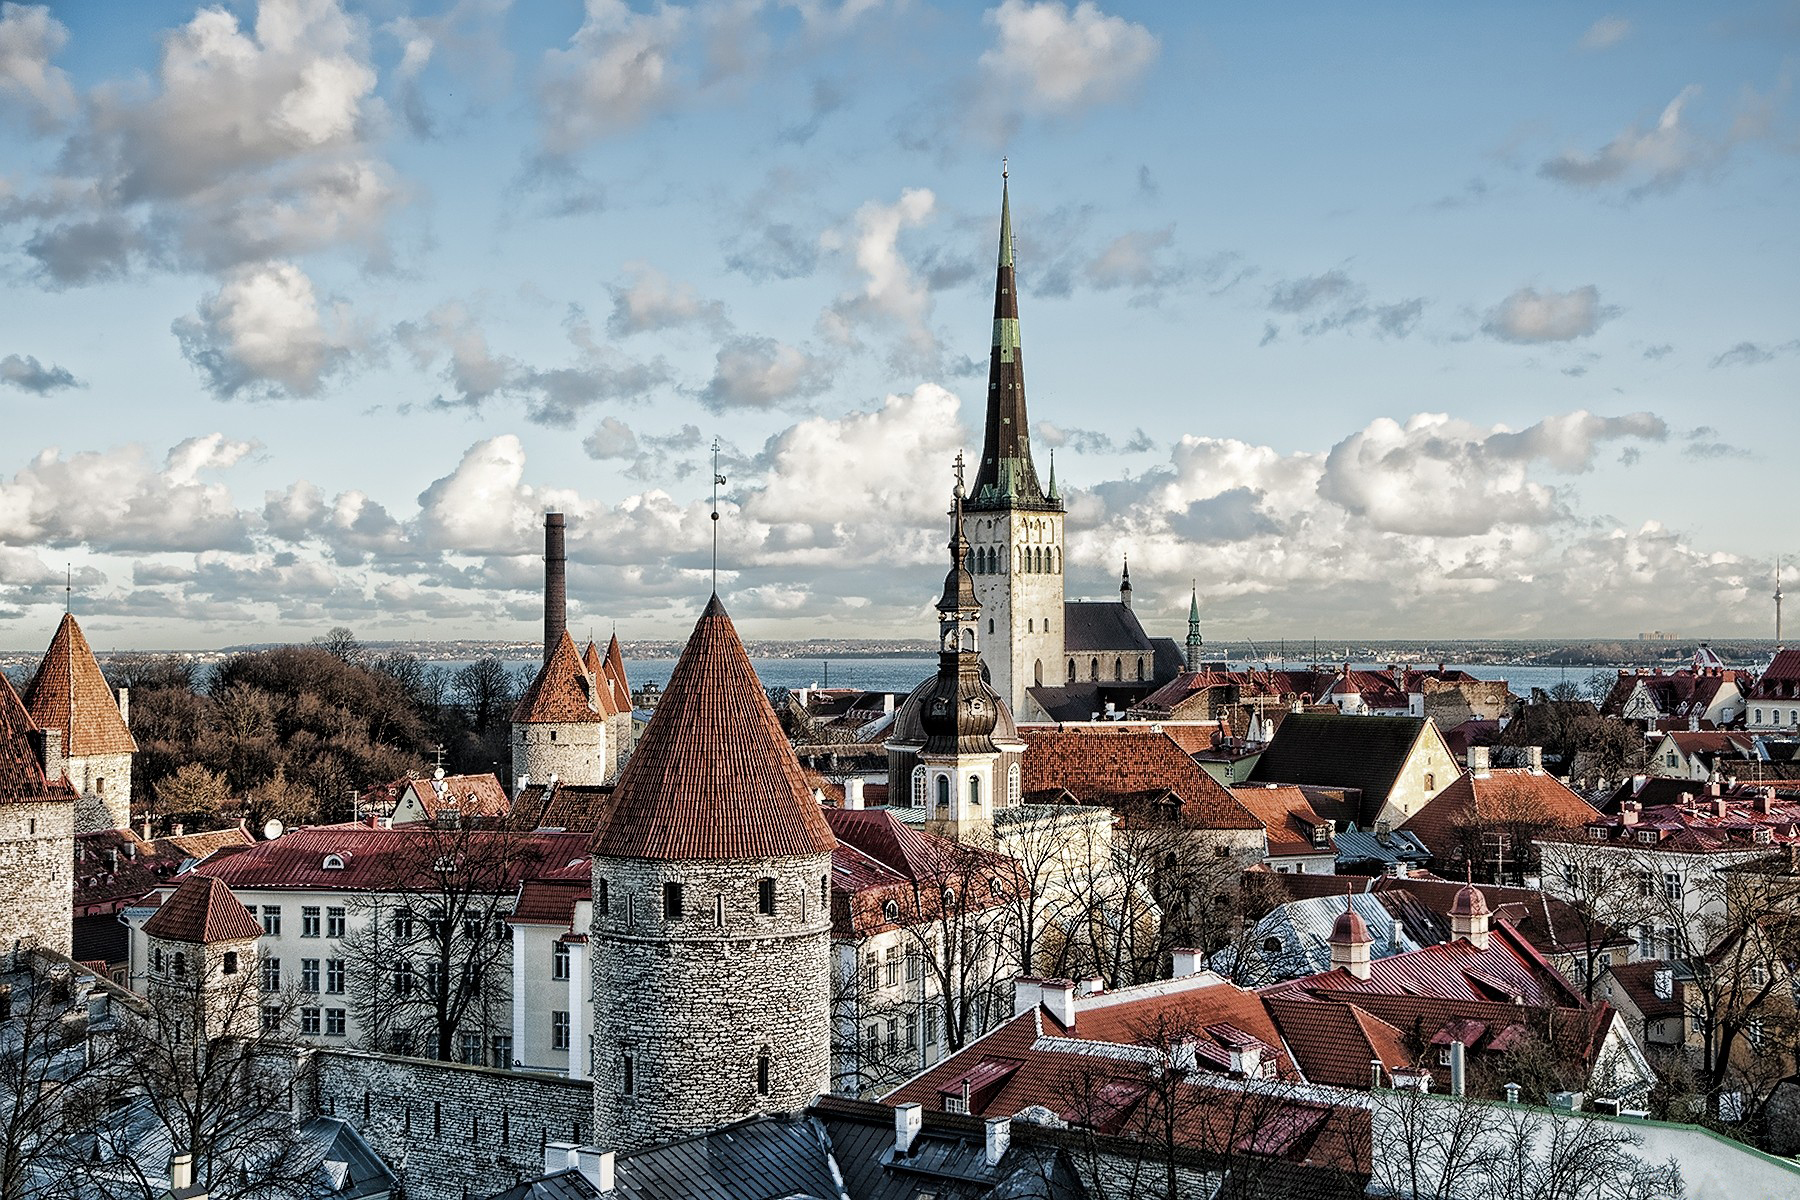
(69, 693)
(713, 776)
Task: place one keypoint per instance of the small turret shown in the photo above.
(1470, 918)
(1350, 942)
(1125, 584)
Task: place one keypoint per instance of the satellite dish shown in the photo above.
(273, 829)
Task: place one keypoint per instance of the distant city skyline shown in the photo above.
(1417, 322)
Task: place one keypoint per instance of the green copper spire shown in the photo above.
(1052, 492)
(1006, 246)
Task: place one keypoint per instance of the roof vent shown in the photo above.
(333, 862)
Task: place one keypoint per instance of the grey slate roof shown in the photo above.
(1338, 751)
(1090, 626)
(1367, 846)
(1302, 933)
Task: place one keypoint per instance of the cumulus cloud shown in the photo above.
(617, 69)
(121, 501)
(1529, 316)
(651, 456)
(262, 333)
(477, 375)
(1333, 301)
(649, 300)
(29, 38)
(247, 146)
(760, 372)
(1607, 31)
(1048, 58)
(28, 374)
(1440, 477)
(1090, 441)
(890, 294)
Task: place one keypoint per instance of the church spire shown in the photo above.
(1193, 638)
(1125, 583)
(1006, 476)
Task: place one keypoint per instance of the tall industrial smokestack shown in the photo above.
(556, 610)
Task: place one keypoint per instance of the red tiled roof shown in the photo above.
(69, 693)
(713, 776)
(202, 910)
(1638, 981)
(1508, 970)
(563, 691)
(1105, 1092)
(21, 775)
(1501, 798)
(1287, 814)
(879, 858)
(576, 807)
(615, 672)
(1334, 1042)
(1124, 767)
(1783, 668)
(469, 795)
(401, 859)
(550, 902)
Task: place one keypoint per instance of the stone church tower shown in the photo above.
(70, 696)
(711, 939)
(1013, 524)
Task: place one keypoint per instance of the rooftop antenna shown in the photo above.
(437, 757)
(1778, 604)
(69, 595)
(716, 481)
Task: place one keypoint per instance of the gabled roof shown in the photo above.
(1509, 970)
(69, 693)
(1783, 668)
(1335, 1042)
(1507, 799)
(402, 858)
(21, 774)
(713, 776)
(1366, 753)
(466, 795)
(202, 911)
(563, 691)
(1127, 767)
(1288, 816)
(1097, 626)
(1637, 981)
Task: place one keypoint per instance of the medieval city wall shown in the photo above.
(37, 876)
(575, 752)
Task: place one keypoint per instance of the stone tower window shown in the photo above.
(602, 900)
(627, 1074)
(1118, 668)
(974, 791)
(765, 896)
(943, 791)
(671, 901)
(719, 911)
(179, 965)
(230, 964)
(762, 1073)
(553, 735)
(1071, 670)
(1037, 670)
(100, 786)
(1094, 670)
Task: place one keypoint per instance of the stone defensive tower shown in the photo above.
(37, 835)
(202, 945)
(563, 724)
(1014, 525)
(712, 919)
(70, 696)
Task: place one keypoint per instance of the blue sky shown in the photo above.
(1404, 321)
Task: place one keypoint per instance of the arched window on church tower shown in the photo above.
(943, 791)
(1071, 670)
(974, 791)
(1118, 668)
(1140, 670)
(1037, 670)
(918, 788)
(1094, 670)
(1012, 785)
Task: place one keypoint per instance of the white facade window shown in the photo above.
(559, 961)
(1672, 889)
(559, 1030)
(271, 919)
(918, 787)
(311, 924)
(334, 1022)
(309, 1021)
(334, 922)
(1012, 785)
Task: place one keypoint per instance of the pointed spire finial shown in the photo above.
(717, 479)
(69, 588)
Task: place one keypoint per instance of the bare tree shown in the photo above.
(47, 1080)
(428, 962)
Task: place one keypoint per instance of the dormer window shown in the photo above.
(890, 912)
(1647, 836)
(333, 862)
(1596, 833)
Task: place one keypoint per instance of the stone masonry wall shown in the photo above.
(104, 781)
(696, 1001)
(37, 876)
(451, 1131)
(578, 755)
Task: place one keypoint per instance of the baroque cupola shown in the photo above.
(961, 710)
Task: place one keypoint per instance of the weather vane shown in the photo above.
(717, 480)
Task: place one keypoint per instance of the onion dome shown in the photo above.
(1469, 903)
(1350, 930)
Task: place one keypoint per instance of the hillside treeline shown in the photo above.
(290, 732)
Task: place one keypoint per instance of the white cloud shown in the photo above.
(1333, 301)
(890, 293)
(29, 38)
(649, 300)
(1607, 31)
(760, 372)
(262, 333)
(247, 145)
(1531, 316)
(1656, 157)
(1437, 477)
(617, 69)
(1049, 58)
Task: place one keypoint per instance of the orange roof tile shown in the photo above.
(1287, 814)
(563, 691)
(1125, 767)
(21, 774)
(202, 911)
(713, 775)
(69, 693)
(1513, 797)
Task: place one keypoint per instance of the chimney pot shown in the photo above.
(999, 1137)
(558, 1156)
(853, 792)
(125, 706)
(1188, 962)
(556, 613)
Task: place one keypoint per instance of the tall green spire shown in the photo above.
(1005, 477)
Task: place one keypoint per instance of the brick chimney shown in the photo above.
(556, 610)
